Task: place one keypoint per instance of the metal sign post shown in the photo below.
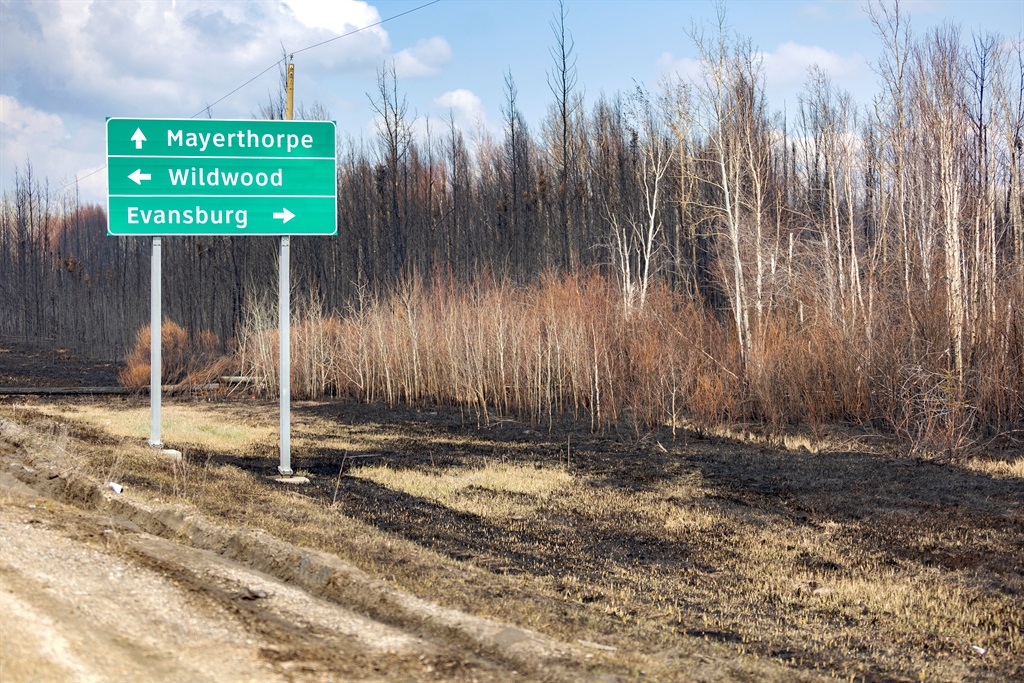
(284, 345)
(154, 344)
(284, 335)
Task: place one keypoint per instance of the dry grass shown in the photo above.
(852, 564)
(511, 491)
(997, 467)
(182, 424)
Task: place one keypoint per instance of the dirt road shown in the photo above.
(91, 597)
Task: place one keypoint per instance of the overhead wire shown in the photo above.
(278, 62)
(208, 106)
(353, 32)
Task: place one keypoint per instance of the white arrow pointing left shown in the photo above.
(138, 176)
(285, 215)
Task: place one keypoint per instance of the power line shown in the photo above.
(291, 54)
(310, 47)
(78, 180)
(345, 35)
(207, 107)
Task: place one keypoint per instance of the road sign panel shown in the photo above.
(221, 177)
(176, 176)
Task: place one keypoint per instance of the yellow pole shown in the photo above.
(290, 92)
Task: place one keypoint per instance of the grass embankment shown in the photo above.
(679, 555)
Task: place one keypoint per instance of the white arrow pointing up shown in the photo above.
(138, 176)
(284, 215)
(138, 138)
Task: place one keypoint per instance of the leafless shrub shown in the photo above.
(188, 360)
(565, 347)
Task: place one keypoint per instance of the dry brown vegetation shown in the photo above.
(567, 348)
(187, 359)
(693, 559)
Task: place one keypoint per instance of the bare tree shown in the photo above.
(1009, 105)
(395, 138)
(982, 273)
(677, 110)
(517, 166)
(563, 82)
(637, 232)
(829, 123)
(894, 29)
(939, 82)
(656, 155)
(718, 104)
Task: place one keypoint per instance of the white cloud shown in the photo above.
(786, 71)
(686, 68)
(362, 51)
(425, 58)
(465, 105)
(164, 58)
(28, 135)
(339, 16)
(20, 123)
(787, 66)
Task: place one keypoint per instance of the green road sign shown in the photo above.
(221, 177)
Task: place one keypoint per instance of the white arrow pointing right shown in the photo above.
(138, 176)
(284, 215)
(138, 138)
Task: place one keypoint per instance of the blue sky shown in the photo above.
(65, 66)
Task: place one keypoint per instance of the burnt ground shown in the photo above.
(30, 365)
(850, 562)
(805, 563)
(850, 487)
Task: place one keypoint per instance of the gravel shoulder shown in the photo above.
(90, 596)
